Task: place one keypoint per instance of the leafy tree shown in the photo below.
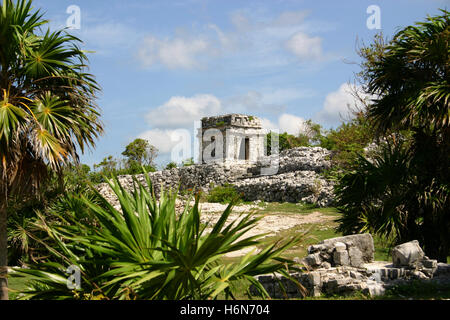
(285, 141)
(348, 141)
(311, 136)
(140, 152)
(108, 166)
(409, 75)
(47, 110)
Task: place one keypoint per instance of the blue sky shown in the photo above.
(164, 64)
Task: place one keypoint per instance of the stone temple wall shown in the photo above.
(231, 137)
(296, 177)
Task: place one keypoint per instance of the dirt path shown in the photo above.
(270, 224)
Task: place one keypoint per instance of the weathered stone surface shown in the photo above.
(341, 258)
(407, 254)
(430, 263)
(313, 260)
(363, 242)
(356, 257)
(340, 246)
(297, 178)
(369, 278)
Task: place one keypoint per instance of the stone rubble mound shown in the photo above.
(345, 265)
(297, 178)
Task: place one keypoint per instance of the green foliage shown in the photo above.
(404, 192)
(111, 166)
(285, 141)
(171, 165)
(418, 289)
(410, 76)
(311, 136)
(188, 162)
(146, 251)
(140, 152)
(223, 194)
(348, 141)
(48, 112)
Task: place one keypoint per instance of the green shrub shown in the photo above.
(223, 194)
(188, 162)
(171, 165)
(147, 251)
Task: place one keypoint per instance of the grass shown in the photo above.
(314, 232)
(16, 285)
(418, 290)
(288, 207)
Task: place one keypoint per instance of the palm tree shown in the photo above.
(409, 75)
(47, 110)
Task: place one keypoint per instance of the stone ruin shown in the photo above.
(231, 138)
(298, 178)
(346, 265)
(232, 152)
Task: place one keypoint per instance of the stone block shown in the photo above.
(407, 254)
(375, 289)
(356, 275)
(355, 256)
(313, 260)
(430, 263)
(418, 275)
(340, 258)
(428, 272)
(364, 242)
(442, 268)
(340, 246)
(314, 279)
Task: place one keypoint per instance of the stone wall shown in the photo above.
(297, 178)
(345, 265)
(231, 137)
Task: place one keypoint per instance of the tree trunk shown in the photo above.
(3, 253)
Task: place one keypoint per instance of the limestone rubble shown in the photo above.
(296, 177)
(345, 265)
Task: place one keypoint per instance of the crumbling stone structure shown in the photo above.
(297, 178)
(231, 137)
(345, 265)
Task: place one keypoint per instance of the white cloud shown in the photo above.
(338, 105)
(291, 124)
(265, 100)
(290, 18)
(181, 112)
(286, 123)
(173, 53)
(160, 138)
(305, 47)
(268, 125)
(252, 40)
